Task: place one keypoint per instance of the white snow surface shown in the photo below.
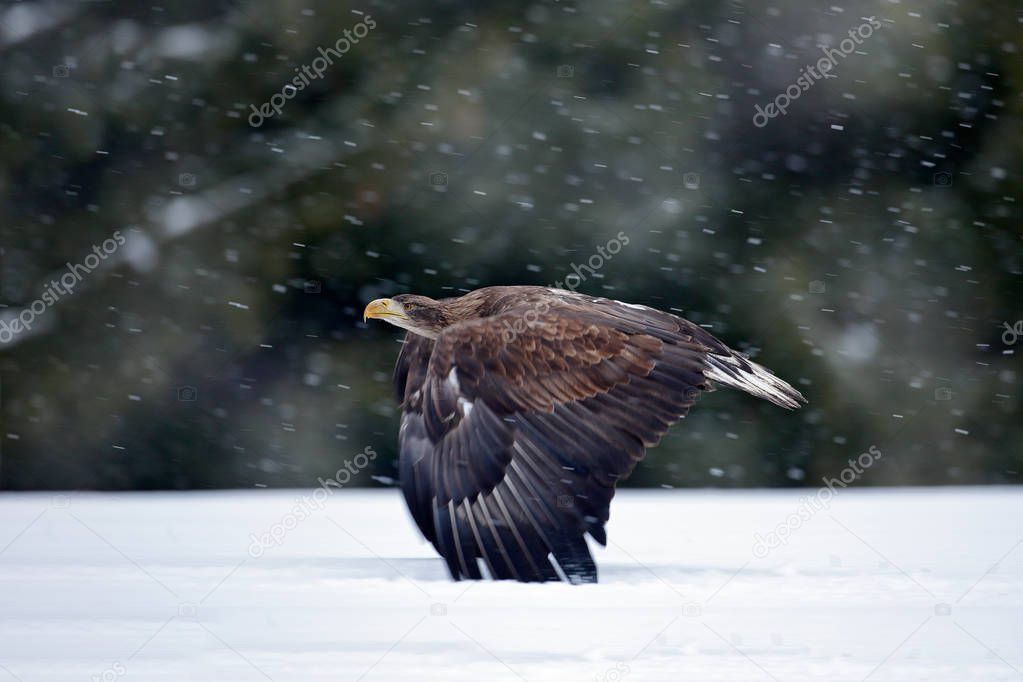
(894, 584)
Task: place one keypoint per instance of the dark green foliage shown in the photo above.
(866, 246)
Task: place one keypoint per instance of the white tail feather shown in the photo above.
(740, 373)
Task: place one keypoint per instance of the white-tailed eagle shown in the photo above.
(522, 407)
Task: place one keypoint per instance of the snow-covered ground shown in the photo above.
(883, 585)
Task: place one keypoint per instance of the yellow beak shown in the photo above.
(383, 308)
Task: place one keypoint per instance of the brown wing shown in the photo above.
(516, 428)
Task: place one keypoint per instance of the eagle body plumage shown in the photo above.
(522, 407)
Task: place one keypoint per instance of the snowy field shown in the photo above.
(884, 585)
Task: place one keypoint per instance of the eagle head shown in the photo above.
(418, 314)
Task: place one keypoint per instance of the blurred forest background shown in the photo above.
(866, 246)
